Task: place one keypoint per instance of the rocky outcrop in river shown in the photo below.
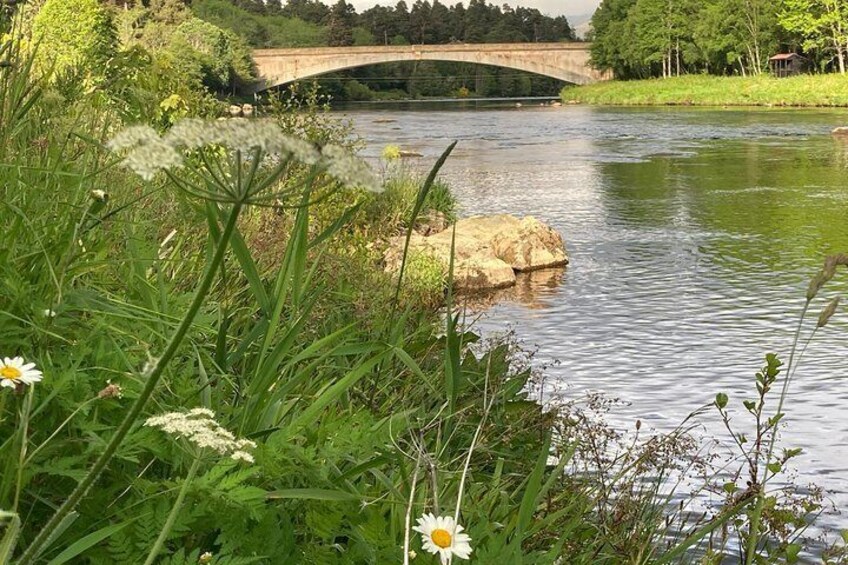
(489, 250)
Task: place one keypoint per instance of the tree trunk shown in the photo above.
(677, 56)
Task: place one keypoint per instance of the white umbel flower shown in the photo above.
(444, 536)
(349, 170)
(14, 372)
(198, 426)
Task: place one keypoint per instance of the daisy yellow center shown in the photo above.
(10, 373)
(442, 538)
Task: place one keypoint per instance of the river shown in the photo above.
(692, 235)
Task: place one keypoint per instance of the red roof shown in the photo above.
(785, 57)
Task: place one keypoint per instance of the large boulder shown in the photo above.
(488, 250)
(475, 267)
(527, 244)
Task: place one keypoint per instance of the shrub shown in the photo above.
(75, 33)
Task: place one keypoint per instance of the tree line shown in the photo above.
(422, 22)
(653, 38)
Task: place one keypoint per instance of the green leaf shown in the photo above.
(336, 390)
(792, 551)
(89, 541)
(774, 467)
(10, 536)
(312, 494)
(721, 400)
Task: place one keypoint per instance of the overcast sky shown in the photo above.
(552, 7)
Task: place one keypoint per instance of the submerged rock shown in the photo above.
(488, 250)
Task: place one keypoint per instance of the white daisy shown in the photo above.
(443, 536)
(14, 371)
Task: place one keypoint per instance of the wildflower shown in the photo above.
(111, 390)
(14, 372)
(49, 313)
(99, 195)
(148, 153)
(412, 554)
(391, 152)
(205, 557)
(443, 536)
(349, 170)
(132, 137)
(199, 427)
(241, 456)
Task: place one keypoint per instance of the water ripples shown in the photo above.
(692, 235)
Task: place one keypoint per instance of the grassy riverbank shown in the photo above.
(203, 360)
(703, 90)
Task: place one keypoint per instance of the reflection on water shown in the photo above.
(533, 291)
(692, 235)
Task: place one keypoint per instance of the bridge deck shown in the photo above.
(444, 48)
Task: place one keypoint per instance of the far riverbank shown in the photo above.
(703, 90)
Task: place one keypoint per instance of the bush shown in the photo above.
(75, 33)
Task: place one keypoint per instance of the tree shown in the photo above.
(75, 34)
(737, 33)
(823, 24)
(419, 22)
(340, 25)
(663, 31)
(612, 43)
(307, 10)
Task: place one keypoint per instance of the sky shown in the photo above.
(551, 7)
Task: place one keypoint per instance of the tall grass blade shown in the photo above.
(12, 523)
(416, 210)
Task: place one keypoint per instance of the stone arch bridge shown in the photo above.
(568, 62)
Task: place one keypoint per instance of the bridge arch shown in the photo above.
(568, 62)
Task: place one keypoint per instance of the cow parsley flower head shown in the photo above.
(444, 536)
(344, 167)
(147, 153)
(198, 426)
(14, 372)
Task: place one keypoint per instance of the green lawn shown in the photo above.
(704, 90)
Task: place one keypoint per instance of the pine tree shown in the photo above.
(340, 25)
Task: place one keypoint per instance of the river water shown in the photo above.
(692, 235)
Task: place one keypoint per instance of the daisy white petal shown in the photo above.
(15, 371)
(442, 535)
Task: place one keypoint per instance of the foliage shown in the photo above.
(642, 38)
(137, 298)
(198, 52)
(273, 30)
(75, 34)
(823, 25)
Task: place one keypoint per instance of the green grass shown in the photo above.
(367, 408)
(703, 90)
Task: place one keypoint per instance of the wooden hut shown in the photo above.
(787, 64)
